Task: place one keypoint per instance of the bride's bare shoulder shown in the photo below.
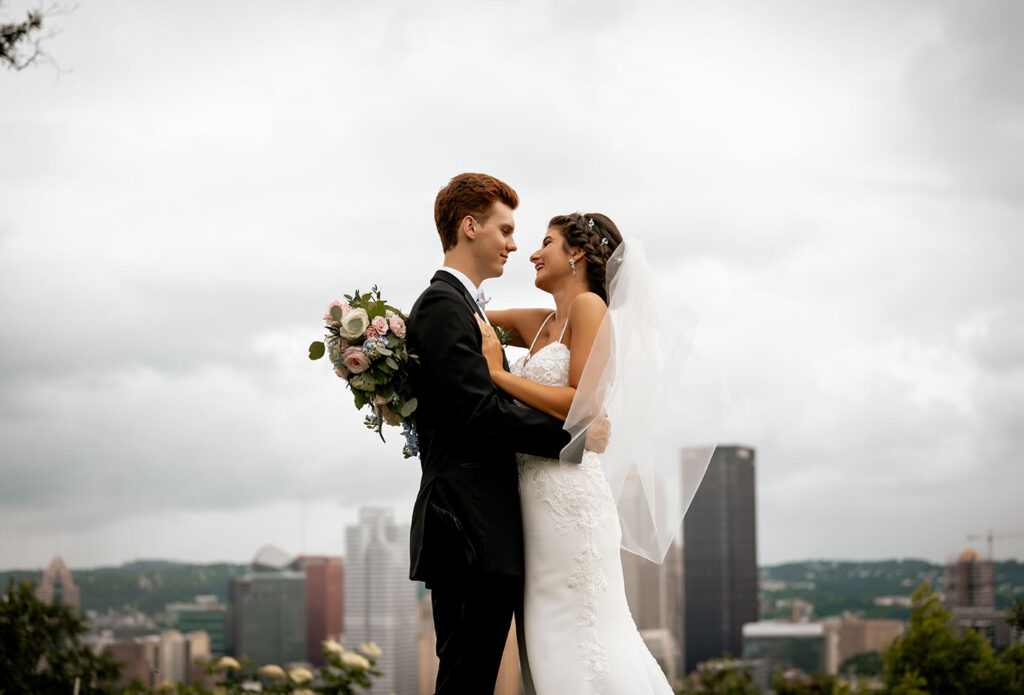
(587, 307)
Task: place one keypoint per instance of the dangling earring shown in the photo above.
(572, 266)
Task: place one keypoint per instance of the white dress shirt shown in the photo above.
(473, 290)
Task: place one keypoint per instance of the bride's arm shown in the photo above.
(585, 317)
(518, 323)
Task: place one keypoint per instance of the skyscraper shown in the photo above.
(970, 582)
(380, 600)
(58, 586)
(205, 613)
(324, 586)
(720, 557)
(268, 611)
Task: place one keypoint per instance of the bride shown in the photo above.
(579, 634)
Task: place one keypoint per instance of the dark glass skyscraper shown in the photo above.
(720, 557)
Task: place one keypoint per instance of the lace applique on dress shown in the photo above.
(580, 502)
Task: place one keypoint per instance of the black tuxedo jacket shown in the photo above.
(466, 517)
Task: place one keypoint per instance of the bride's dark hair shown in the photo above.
(597, 236)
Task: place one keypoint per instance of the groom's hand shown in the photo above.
(598, 434)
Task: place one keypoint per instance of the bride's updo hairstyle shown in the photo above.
(597, 236)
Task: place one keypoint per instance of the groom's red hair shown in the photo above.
(468, 194)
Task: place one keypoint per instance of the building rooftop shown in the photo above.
(767, 628)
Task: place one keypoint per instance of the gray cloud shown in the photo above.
(834, 188)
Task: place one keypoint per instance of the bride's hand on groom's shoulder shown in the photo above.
(490, 346)
(599, 434)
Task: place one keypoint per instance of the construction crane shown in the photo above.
(991, 536)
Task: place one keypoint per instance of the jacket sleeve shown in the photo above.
(447, 340)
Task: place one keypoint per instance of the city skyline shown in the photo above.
(836, 189)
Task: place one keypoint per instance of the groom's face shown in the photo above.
(494, 241)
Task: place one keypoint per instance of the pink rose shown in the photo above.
(344, 310)
(398, 326)
(380, 400)
(390, 417)
(380, 324)
(343, 373)
(371, 333)
(355, 360)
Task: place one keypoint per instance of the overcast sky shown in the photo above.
(836, 188)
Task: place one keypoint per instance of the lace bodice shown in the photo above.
(548, 366)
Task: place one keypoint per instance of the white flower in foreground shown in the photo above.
(370, 649)
(226, 662)
(354, 660)
(301, 675)
(354, 323)
(272, 671)
(333, 646)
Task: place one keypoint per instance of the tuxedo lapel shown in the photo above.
(448, 278)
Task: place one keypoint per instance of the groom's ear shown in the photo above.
(468, 227)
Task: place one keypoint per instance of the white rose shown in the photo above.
(333, 646)
(226, 662)
(353, 324)
(370, 649)
(301, 675)
(355, 660)
(272, 671)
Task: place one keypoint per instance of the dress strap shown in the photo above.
(541, 329)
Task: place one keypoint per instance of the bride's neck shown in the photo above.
(563, 299)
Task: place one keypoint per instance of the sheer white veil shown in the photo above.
(665, 400)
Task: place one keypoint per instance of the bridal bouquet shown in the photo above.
(365, 342)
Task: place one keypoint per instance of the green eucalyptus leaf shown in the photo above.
(336, 312)
(391, 363)
(316, 350)
(409, 408)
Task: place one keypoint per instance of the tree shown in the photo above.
(41, 650)
(934, 656)
(717, 678)
(21, 42)
(816, 684)
(866, 664)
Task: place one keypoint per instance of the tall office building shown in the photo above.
(970, 582)
(380, 600)
(971, 596)
(267, 616)
(324, 589)
(58, 586)
(720, 557)
(205, 613)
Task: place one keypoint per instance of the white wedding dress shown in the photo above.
(580, 636)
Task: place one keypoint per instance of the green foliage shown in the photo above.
(1015, 616)
(866, 664)
(147, 586)
(346, 673)
(801, 684)
(835, 586)
(933, 656)
(41, 651)
(719, 679)
(316, 348)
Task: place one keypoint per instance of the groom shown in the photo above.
(466, 536)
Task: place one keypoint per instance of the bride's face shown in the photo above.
(551, 261)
